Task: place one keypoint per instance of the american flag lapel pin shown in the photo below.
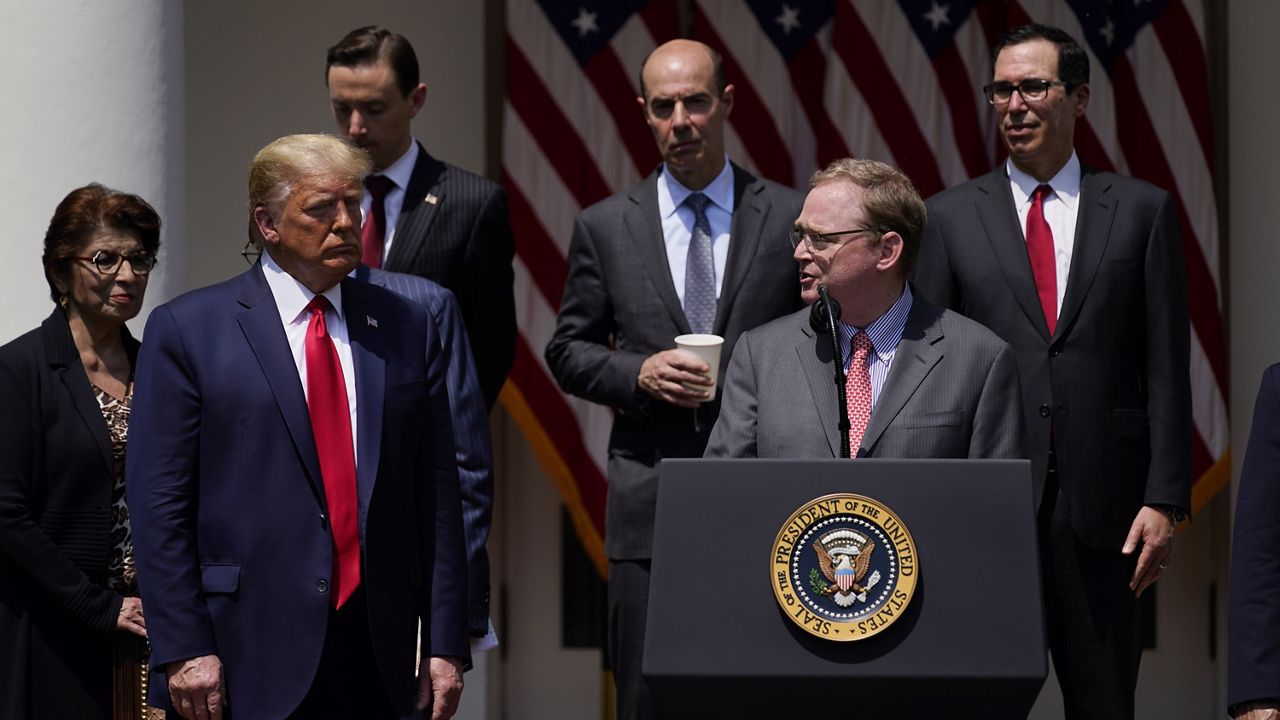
(431, 199)
(371, 322)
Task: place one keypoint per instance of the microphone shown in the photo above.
(823, 315)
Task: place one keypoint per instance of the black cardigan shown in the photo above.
(55, 523)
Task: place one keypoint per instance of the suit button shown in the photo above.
(1044, 411)
(322, 585)
(1055, 352)
(324, 522)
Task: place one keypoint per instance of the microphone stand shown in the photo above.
(822, 318)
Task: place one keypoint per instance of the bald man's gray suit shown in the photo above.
(952, 392)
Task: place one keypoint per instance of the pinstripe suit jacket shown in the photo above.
(952, 392)
(472, 444)
(620, 306)
(463, 241)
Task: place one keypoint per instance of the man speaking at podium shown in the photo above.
(920, 381)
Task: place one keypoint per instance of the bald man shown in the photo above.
(698, 246)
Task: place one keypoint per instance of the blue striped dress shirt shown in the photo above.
(885, 334)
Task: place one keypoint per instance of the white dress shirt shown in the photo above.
(677, 222)
(1060, 211)
(291, 299)
(398, 173)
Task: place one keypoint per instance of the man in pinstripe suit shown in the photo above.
(472, 444)
(431, 219)
(933, 384)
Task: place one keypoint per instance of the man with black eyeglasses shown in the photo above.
(1082, 273)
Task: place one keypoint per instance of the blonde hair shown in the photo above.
(890, 203)
(279, 166)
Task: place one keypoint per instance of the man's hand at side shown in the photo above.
(440, 687)
(196, 687)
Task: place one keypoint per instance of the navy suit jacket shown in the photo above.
(473, 446)
(229, 520)
(453, 229)
(1253, 650)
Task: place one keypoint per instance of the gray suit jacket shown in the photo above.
(1111, 387)
(952, 393)
(620, 306)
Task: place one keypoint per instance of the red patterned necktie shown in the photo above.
(331, 426)
(857, 389)
(1040, 251)
(374, 231)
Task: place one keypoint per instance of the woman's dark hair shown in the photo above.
(91, 209)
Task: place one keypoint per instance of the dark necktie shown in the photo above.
(1040, 251)
(857, 389)
(374, 231)
(700, 270)
(331, 426)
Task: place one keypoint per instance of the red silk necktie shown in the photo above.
(331, 426)
(374, 232)
(857, 390)
(1040, 251)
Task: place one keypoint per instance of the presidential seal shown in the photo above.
(844, 567)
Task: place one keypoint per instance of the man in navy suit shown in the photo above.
(1253, 645)
(291, 478)
(423, 216)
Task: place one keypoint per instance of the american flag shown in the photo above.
(817, 80)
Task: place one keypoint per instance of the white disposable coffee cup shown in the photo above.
(707, 348)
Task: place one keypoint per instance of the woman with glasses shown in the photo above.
(72, 631)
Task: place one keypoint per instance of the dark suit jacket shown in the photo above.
(56, 613)
(952, 392)
(233, 547)
(1112, 383)
(1253, 649)
(473, 446)
(463, 241)
(620, 306)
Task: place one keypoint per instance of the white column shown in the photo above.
(93, 92)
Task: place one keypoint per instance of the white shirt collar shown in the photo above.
(292, 296)
(1065, 184)
(401, 170)
(672, 194)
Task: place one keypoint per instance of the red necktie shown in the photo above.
(331, 426)
(375, 226)
(1040, 250)
(857, 390)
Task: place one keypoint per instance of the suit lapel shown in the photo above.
(1000, 220)
(260, 322)
(61, 350)
(749, 217)
(368, 354)
(1093, 229)
(644, 229)
(915, 357)
(819, 370)
(416, 214)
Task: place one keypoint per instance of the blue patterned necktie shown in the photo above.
(700, 270)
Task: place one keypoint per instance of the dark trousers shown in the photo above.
(1094, 633)
(628, 603)
(347, 685)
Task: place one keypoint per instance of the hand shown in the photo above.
(196, 688)
(1257, 711)
(440, 687)
(130, 619)
(1154, 531)
(663, 373)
